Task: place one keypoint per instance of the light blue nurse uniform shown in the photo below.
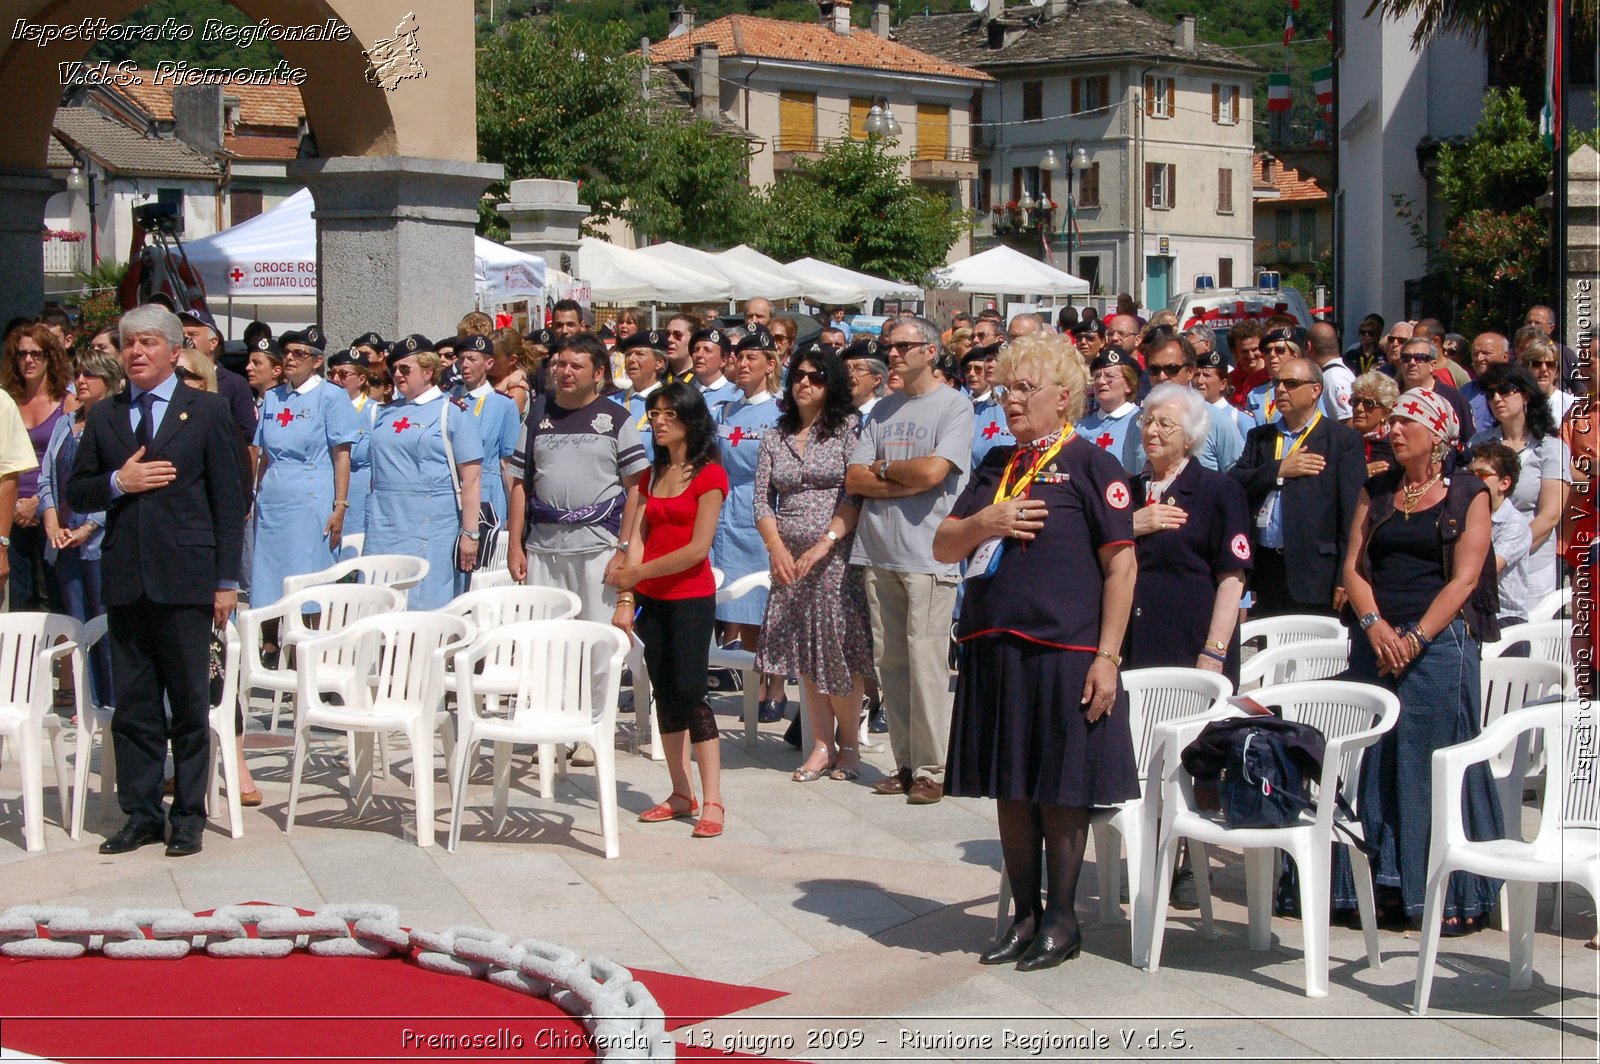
(638, 403)
(297, 432)
(737, 549)
(412, 507)
(499, 423)
(355, 518)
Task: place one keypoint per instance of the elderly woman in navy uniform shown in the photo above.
(738, 550)
(499, 421)
(1113, 425)
(422, 448)
(1040, 720)
(350, 370)
(644, 359)
(304, 438)
(1193, 529)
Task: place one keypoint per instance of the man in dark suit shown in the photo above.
(1301, 474)
(162, 460)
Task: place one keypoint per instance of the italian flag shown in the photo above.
(1550, 115)
(1288, 22)
(1322, 78)
(1278, 98)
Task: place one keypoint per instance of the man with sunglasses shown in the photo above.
(1419, 357)
(1174, 359)
(908, 466)
(1301, 474)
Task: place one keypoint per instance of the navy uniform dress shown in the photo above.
(355, 518)
(737, 549)
(412, 508)
(988, 427)
(1116, 434)
(298, 430)
(1029, 634)
(1179, 569)
(499, 423)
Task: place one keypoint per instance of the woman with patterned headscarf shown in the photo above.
(1421, 580)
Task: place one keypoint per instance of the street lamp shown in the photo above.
(1079, 162)
(881, 121)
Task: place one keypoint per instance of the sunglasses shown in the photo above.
(1278, 349)
(187, 375)
(1414, 359)
(1367, 332)
(1167, 370)
(905, 345)
(1541, 364)
(812, 376)
(1363, 403)
(1290, 383)
(1500, 391)
(31, 354)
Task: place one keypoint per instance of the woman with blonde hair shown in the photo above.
(506, 373)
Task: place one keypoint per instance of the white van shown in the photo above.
(1219, 308)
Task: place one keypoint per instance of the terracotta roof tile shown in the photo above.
(766, 38)
(125, 150)
(1293, 185)
(278, 106)
(253, 147)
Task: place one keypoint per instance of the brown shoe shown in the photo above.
(924, 792)
(899, 783)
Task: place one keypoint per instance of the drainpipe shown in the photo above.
(1136, 189)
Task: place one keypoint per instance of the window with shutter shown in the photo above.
(797, 121)
(1308, 233)
(243, 204)
(1160, 185)
(1283, 229)
(1216, 102)
(1089, 186)
(1149, 184)
(1224, 190)
(1032, 101)
(933, 130)
(1077, 95)
(1225, 104)
(1224, 273)
(1102, 88)
(859, 106)
(1159, 96)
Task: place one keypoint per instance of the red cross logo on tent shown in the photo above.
(736, 435)
(403, 424)
(1104, 441)
(991, 430)
(236, 275)
(1117, 496)
(284, 417)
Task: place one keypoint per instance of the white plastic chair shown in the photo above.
(1310, 659)
(94, 725)
(1275, 632)
(402, 657)
(334, 605)
(744, 661)
(399, 571)
(565, 679)
(1552, 606)
(1545, 640)
(1155, 697)
(1506, 685)
(1566, 849)
(225, 737)
(490, 609)
(351, 546)
(30, 646)
(1352, 717)
(487, 579)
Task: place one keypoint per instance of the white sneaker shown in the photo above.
(582, 756)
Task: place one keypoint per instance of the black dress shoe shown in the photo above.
(769, 711)
(877, 720)
(129, 839)
(1048, 950)
(185, 842)
(1008, 947)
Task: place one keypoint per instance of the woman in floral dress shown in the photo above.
(816, 624)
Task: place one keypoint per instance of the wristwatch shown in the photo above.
(882, 469)
(1368, 620)
(831, 536)
(473, 534)
(5, 542)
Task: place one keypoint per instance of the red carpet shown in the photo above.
(211, 1009)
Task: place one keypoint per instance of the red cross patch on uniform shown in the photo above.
(1117, 496)
(1241, 547)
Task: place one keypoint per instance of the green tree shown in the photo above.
(853, 207)
(261, 55)
(695, 189)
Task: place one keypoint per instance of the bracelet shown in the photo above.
(1416, 630)
(338, 503)
(767, 543)
(1213, 655)
(1115, 659)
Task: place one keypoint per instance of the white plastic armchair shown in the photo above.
(1565, 850)
(1310, 659)
(1505, 686)
(1351, 717)
(744, 661)
(224, 736)
(565, 679)
(402, 657)
(1545, 640)
(30, 646)
(1292, 628)
(399, 571)
(94, 726)
(1552, 606)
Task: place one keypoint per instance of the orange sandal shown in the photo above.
(706, 830)
(660, 814)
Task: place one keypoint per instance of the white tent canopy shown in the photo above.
(1004, 270)
(274, 255)
(617, 275)
(817, 289)
(748, 281)
(875, 287)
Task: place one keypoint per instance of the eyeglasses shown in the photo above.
(1278, 349)
(1171, 369)
(1416, 358)
(1163, 425)
(906, 345)
(1366, 332)
(31, 353)
(382, 382)
(811, 376)
(1290, 383)
(1024, 389)
(187, 375)
(406, 371)
(661, 414)
(1484, 474)
(1361, 402)
(1543, 363)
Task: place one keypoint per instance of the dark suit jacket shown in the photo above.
(173, 545)
(1317, 511)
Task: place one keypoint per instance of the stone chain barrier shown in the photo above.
(618, 1011)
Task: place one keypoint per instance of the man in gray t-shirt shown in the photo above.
(908, 466)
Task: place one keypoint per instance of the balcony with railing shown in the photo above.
(65, 253)
(943, 162)
(790, 148)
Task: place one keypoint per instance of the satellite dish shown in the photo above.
(979, 6)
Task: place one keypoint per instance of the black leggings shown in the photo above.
(677, 647)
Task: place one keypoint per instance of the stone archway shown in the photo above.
(397, 182)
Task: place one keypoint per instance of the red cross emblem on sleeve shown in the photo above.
(403, 424)
(1104, 441)
(991, 430)
(284, 417)
(236, 275)
(1117, 496)
(736, 435)
(1241, 547)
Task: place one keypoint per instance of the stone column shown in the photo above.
(1576, 320)
(394, 242)
(545, 219)
(23, 194)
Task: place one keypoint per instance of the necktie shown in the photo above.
(142, 434)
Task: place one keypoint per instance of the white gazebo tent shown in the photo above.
(748, 281)
(817, 289)
(617, 275)
(1005, 271)
(875, 287)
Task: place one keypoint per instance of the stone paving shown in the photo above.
(866, 912)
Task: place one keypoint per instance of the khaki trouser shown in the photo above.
(581, 574)
(911, 643)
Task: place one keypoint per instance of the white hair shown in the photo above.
(1196, 411)
(150, 319)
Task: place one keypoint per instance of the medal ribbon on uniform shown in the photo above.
(1005, 491)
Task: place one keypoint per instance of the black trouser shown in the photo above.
(677, 649)
(1269, 582)
(160, 658)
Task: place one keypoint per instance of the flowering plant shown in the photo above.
(68, 236)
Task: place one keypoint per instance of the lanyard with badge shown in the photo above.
(985, 558)
(1269, 507)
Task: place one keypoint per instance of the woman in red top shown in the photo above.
(668, 574)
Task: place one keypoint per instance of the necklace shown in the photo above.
(1410, 496)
